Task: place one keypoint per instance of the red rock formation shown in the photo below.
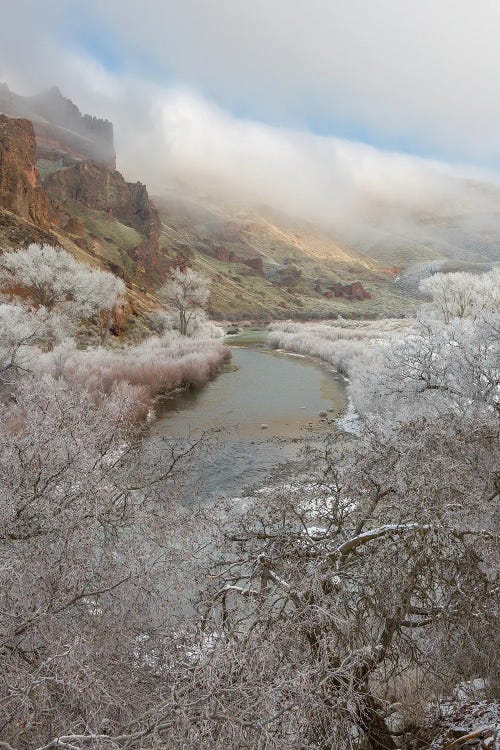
(95, 186)
(224, 254)
(219, 253)
(288, 276)
(357, 291)
(19, 190)
(106, 190)
(354, 291)
(255, 263)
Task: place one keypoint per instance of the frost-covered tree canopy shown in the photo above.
(336, 609)
(187, 293)
(463, 295)
(56, 281)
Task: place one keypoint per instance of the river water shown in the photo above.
(284, 392)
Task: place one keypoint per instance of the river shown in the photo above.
(263, 405)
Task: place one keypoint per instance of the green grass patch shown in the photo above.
(46, 167)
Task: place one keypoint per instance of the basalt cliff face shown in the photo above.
(20, 192)
(116, 203)
(106, 190)
(85, 206)
(61, 129)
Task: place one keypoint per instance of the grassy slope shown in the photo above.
(112, 240)
(240, 292)
(195, 229)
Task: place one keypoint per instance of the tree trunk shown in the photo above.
(182, 323)
(376, 730)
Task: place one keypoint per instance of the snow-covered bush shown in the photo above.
(65, 291)
(437, 369)
(53, 279)
(463, 295)
(198, 325)
(160, 364)
(411, 278)
(87, 553)
(21, 329)
(186, 293)
(342, 346)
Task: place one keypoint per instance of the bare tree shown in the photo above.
(186, 292)
(330, 590)
(21, 329)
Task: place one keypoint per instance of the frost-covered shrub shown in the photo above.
(343, 346)
(21, 329)
(411, 278)
(199, 325)
(84, 557)
(463, 295)
(436, 370)
(158, 365)
(53, 279)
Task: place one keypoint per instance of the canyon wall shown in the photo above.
(60, 127)
(20, 192)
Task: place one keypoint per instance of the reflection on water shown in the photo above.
(286, 393)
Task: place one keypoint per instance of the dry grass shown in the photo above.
(157, 366)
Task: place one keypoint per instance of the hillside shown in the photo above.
(58, 184)
(263, 264)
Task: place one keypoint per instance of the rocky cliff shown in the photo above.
(104, 190)
(60, 127)
(20, 192)
(87, 207)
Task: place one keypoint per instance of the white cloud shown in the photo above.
(422, 70)
(311, 175)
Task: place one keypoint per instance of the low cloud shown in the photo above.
(311, 176)
(170, 134)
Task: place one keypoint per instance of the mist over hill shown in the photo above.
(284, 223)
(60, 127)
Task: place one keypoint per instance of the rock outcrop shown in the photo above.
(354, 291)
(289, 276)
(20, 192)
(218, 252)
(96, 187)
(103, 189)
(59, 209)
(254, 263)
(224, 254)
